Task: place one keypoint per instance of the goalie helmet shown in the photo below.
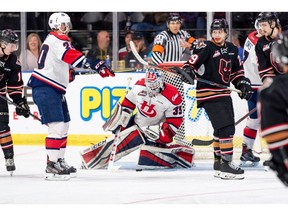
(280, 49)
(9, 37)
(154, 81)
(219, 24)
(268, 17)
(56, 19)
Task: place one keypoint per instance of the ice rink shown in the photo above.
(128, 189)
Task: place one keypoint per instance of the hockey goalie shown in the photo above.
(158, 116)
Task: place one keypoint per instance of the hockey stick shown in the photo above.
(111, 166)
(209, 142)
(177, 70)
(19, 107)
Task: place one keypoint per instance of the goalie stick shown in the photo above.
(111, 166)
(19, 107)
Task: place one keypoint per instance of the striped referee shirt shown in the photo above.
(167, 46)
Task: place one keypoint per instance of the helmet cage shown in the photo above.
(154, 82)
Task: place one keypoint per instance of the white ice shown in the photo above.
(126, 186)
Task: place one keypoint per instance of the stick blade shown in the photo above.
(202, 142)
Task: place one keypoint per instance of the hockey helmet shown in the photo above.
(7, 37)
(174, 17)
(154, 81)
(56, 19)
(280, 49)
(219, 24)
(268, 17)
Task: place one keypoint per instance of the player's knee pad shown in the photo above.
(173, 156)
(253, 123)
(57, 129)
(227, 131)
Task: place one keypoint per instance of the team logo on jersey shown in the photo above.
(224, 50)
(147, 109)
(2, 64)
(225, 70)
(217, 53)
(142, 93)
(175, 97)
(266, 47)
(200, 45)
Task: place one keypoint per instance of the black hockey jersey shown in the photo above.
(274, 111)
(221, 65)
(11, 76)
(267, 67)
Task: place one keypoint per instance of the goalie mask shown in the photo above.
(57, 19)
(154, 82)
(280, 49)
(9, 41)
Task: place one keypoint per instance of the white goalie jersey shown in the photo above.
(165, 107)
(250, 63)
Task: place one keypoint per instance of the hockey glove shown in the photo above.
(101, 68)
(23, 108)
(244, 85)
(190, 72)
(71, 75)
(166, 134)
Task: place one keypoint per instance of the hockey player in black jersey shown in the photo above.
(221, 65)
(273, 103)
(269, 24)
(11, 83)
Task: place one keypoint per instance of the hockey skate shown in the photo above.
(247, 159)
(216, 167)
(229, 171)
(10, 165)
(72, 170)
(54, 172)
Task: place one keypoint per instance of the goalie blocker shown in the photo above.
(151, 157)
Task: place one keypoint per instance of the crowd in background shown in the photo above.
(92, 31)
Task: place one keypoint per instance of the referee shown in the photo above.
(170, 45)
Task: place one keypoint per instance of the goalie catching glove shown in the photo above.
(100, 67)
(23, 108)
(160, 134)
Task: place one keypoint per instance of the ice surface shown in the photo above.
(126, 186)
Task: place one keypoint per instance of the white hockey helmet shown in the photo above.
(56, 19)
(154, 81)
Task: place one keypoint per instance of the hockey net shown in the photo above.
(196, 123)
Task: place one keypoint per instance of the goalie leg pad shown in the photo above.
(97, 156)
(173, 156)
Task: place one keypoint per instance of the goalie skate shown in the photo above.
(54, 172)
(231, 172)
(247, 159)
(10, 165)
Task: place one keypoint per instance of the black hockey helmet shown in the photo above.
(173, 17)
(219, 24)
(9, 36)
(280, 49)
(268, 17)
